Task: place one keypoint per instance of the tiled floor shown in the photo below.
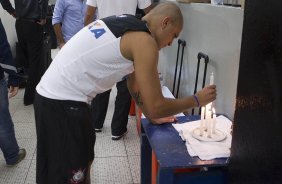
(116, 162)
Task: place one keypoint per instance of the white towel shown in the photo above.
(206, 150)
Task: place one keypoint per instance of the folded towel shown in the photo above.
(206, 150)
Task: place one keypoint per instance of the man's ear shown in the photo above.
(165, 22)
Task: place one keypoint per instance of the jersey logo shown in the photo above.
(98, 32)
(78, 176)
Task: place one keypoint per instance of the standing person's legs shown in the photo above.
(65, 141)
(122, 107)
(30, 37)
(8, 142)
(99, 107)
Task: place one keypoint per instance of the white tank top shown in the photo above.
(75, 74)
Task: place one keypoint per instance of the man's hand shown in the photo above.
(42, 22)
(14, 14)
(206, 95)
(13, 91)
(61, 45)
(169, 119)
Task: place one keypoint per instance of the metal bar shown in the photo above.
(180, 69)
(206, 59)
(175, 72)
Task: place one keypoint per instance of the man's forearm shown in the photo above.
(146, 10)
(87, 20)
(89, 16)
(59, 34)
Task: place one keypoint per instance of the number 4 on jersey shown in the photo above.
(98, 32)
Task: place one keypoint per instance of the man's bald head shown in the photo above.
(169, 9)
(165, 22)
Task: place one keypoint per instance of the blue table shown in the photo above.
(171, 154)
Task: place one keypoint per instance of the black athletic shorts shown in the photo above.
(65, 141)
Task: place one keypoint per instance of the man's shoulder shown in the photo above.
(138, 41)
(140, 37)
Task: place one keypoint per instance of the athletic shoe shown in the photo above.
(98, 129)
(115, 138)
(22, 154)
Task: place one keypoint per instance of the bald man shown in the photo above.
(95, 59)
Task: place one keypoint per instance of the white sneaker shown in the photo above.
(98, 129)
(115, 138)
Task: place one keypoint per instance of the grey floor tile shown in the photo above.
(31, 176)
(28, 108)
(113, 170)
(109, 116)
(14, 105)
(24, 115)
(111, 106)
(132, 145)
(14, 175)
(132, 140)
(131, 126)
(106, 130)
(25, 130)
(20, 95)
(106, 147)
(134, 164)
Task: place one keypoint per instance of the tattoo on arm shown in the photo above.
(137, 98)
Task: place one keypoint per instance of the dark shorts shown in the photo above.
(65, 141)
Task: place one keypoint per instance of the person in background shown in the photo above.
(31, 16)
(97, 57)
(68, 19)
(99, 105)
(8, 143)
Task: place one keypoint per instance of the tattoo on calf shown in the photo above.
(137, 98)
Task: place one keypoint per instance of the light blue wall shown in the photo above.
(215, 31)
